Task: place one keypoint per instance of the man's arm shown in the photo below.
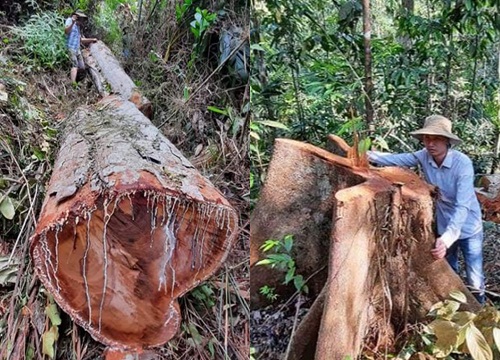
(386, 159)
(69, 24)
(87, 41)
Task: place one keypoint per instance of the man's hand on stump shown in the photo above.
(439, 251)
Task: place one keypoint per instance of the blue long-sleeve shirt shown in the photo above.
(458, 214)
(73, 38)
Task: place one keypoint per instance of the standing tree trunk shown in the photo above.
(127, 226)
(408, 9)
(496, 158)
(381, 274)
(296, 89)
(367, 30)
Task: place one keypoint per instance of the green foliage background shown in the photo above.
(439, 58)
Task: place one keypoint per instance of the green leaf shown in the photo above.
(53, 314)
(7, 208)
(256, 47)
(288, 243)
(298, 281)
(211, 348)
(447, 336)
(269, 244)
(435, 308)
(274, 124)
(449, 309)
(462, 318)
(282, 258)
(289, 275)
(30, 353)
(459, 296)
(381, 143)
(48, 339)
(198, 340)
(8, 271)
(254, 135)
(477, 345)
(264, 262)
(364, 145)
(217, 110)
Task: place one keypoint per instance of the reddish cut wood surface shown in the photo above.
(372, 226)
(128, 226)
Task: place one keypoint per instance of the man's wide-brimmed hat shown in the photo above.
(437, 125)
(79, 13)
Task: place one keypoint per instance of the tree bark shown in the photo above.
(127, 226)
(299, 193)
(379, 235)
(95, 74)
(118, 80)
(489, 197)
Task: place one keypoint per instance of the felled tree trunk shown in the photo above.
(102, 59)
(95, 73)
(128, 226)
(381, 274)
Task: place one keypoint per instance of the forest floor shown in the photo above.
(215, 315)
(272, 326)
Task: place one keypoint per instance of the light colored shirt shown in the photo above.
(458, 214)
(73, 38)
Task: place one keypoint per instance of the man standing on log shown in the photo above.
(74, 38)
(458, 214)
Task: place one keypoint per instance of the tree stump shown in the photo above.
(127, 226)
(489, 197)
(372, 226)
(302, 188)
(102, 59)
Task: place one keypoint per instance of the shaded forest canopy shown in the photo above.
(427, 57)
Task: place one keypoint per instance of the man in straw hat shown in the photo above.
(458, 214)
(74, 38)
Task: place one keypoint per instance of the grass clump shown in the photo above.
(42, 40)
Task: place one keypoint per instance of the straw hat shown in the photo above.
(437, 125)
(80, 14)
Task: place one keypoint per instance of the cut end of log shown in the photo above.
(128, 225)
(118, 268)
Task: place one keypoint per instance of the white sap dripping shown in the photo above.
(131, 206)
(207, 214)
(84, 270)
(48, 255)
(47, 252)
(107, 217)
(169, 245)
(58, 228)
(152, 211)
